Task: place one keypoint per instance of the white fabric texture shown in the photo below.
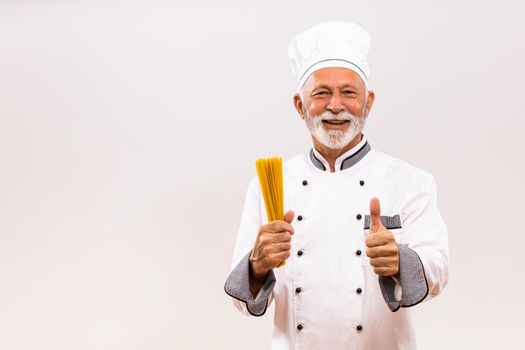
(330, 313)
(329, 44)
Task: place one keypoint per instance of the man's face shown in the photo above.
(335, 104)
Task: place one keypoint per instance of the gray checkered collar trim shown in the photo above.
(345, 161)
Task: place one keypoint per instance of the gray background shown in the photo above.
(128, 134)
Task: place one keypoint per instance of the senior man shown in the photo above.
(363, 238)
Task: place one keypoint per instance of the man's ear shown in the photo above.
(370, 102)
(298, 104)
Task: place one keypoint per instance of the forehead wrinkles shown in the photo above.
(335, 77)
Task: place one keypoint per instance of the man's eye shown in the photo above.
(348, 92)
(321, 93)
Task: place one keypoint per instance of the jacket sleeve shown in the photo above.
(423, 251)
(237, 284)
(238, 287)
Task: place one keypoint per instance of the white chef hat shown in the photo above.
(329, 44)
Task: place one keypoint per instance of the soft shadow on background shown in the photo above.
(128, 135)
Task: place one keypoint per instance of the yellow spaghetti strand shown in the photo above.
(270, 173)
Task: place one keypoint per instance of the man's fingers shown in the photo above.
(282, 247)
(375, 215)
(384, 262)
(381, 251)
(274, 247)
(274, 259)
(279, 258)
(280, 237)
(385, 271)
(383, 238)
(269, 239)
(279, 226)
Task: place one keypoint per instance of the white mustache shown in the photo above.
(339, 116)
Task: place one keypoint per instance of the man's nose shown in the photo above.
(335, 105)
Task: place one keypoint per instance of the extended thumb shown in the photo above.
(375, 215)
(288, 217)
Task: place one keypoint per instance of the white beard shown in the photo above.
(335, 139)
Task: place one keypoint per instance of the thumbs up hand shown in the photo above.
(381, 244)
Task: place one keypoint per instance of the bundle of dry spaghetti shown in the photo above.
(270, 173)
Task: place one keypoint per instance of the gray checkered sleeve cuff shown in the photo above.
(238, 286)
(414, 287)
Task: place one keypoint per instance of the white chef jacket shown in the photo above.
(327, 296)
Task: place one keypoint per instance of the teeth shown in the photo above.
(335, 121)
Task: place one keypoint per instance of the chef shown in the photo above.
(362, 237)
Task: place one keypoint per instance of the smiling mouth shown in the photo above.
(335, 121)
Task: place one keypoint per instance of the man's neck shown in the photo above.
(331, 154)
